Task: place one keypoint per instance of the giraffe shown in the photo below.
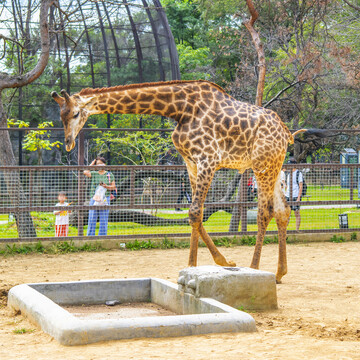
(213, 131)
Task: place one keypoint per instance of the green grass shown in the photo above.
(330, 193)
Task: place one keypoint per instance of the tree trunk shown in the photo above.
(12, 179)
(14, 187)
(260, 52)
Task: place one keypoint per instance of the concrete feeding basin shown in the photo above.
(55, 308)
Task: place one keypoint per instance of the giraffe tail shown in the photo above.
(316, 133)
(292, 136)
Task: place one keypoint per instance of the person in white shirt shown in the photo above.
(297, 186)
(62, 217)
(254, 187)
(283, 180)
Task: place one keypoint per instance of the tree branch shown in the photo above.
(5, 38)
(10, 81)
(281, 92)
(352, 5)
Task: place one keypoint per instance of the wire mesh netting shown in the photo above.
(152, 201)
(93, 44)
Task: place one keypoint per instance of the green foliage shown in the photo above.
(168, 244)
(36, 140)
(132, 148)
(193, 63)
(185, 21)
(140, 245)
(323, 155)
(39, 139)
(241, 308)
(15, 249)
(220, 242)
(225, 241)
(219, 9)
(337, 239)
(18, 123)
(64, 247)
(60, 247)
(23, 331)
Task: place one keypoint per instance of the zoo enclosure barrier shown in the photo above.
(151, 201)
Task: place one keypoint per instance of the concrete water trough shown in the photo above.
(46, 305)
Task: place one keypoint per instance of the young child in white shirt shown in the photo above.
(62, 217)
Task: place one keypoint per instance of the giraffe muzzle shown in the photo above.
(69, 143)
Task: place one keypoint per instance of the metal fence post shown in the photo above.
(30, 188)
(243, 197)
(351, 183)
(132, 187)
(81, 186)
(236, 212)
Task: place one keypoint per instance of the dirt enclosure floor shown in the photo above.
(318, 315)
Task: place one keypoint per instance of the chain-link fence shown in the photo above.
(152, 201)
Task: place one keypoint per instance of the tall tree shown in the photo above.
(259, 49)
(19, 80)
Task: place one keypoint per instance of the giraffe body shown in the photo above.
(213, 131)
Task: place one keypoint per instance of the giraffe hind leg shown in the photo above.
(281, 212)
(272, 204)
(265, 214)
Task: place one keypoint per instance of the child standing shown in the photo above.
(62, 217)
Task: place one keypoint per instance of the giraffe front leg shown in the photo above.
(217, 256)
(201, 186)
(193, 246)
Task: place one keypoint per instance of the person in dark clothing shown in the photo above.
(183, 193)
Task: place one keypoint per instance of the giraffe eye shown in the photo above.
(77, 114)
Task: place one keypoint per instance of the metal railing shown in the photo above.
(148, 197)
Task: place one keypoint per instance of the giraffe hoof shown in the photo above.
(221, 261)
(278, 281)
(231, 264)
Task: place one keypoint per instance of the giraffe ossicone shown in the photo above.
(213, 131)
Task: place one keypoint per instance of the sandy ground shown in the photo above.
(118, 311)
(318, 315)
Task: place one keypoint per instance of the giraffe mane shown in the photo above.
(91, 91)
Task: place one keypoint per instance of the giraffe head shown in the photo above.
(73, 114)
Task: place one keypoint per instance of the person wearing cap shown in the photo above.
(297, 186)
(102, 182)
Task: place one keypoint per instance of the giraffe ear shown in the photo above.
(65, 95)
(57, 98)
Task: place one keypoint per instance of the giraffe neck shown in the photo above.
(174, 100)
